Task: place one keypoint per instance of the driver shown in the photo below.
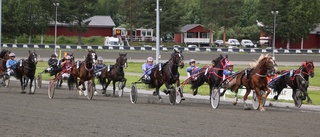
(66, 67)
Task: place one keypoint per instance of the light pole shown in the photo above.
(0, 21)
(274, 32)
(158, 33)
(55, 28)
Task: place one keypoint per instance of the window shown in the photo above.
(205, 35)
(189, 35)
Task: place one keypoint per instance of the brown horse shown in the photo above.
(25, 70)
(84, 71)
(167, 74)
(115, 73)
(255, 79)
(4, 56)
(299, 80)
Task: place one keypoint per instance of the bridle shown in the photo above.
(308, 71)
(90, 59)
(271, 67)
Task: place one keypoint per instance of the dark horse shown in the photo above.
(85, 71)
(255, 79)
(211, 75)
(4, 56)
(115, 73)
(25, 70)
(298, 81)
(167, 73)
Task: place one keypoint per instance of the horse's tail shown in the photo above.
(198, 82)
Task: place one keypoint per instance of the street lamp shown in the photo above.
(0, 22)
(274, 32)
(158, 33)
(55, 28)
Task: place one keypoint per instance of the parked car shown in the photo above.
(176, 46)
(218, 43)
(247, 43)
(192, 46)
(233, 42)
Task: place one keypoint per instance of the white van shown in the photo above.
(112, 41)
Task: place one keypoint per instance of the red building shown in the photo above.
(193, 34)
(312, 42)
(98, 26)
(137, 34)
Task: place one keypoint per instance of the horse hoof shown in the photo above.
(80, 93)
(155, 93)
(30, 93)
(275, 97)
(182, 98)
(262, 109)
(310, 101)
(166, 92)
(195, 93)
(247, 108)
(103, 92)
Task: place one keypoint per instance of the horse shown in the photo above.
(255, 79)
(167, 74)
(212, 75)
(4, 56)
(84, 71)
(114, 74)
(25, 70)
(298, 81)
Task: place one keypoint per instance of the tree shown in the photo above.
(75, 14)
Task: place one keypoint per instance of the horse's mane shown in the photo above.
(3, 53)
(262, 56)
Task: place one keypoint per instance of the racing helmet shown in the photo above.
(100, 58)
(68, 57)
(229, 64)
(12, 54)
(149, 59)
(53, 55)
(192, 60)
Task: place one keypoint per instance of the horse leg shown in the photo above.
(309, 99)
(245, 97)
(167, 90)
(235, 90)
(179, 89)
(106, 86)
(114, 88)
(257, 91)
(22, 85)
(30, 86)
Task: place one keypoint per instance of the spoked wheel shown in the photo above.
(51, 88)
(297, 99)
(7, 81)
(215, 98)
(39, 79)
(33, 87)
(90, 90)
(120, 88)
(178, 95)
(255, 101)
(133, 93)
(172, 95)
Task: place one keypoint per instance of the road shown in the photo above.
(201, 57)
(69, 114)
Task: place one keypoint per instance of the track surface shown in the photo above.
(69, 114)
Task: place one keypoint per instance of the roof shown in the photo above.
(95, 21)
(189, 27)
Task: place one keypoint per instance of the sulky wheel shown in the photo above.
(120, 88)
(215, 98)
(255, 101)
(51, 88)
(178, 95)
(90, 90)
(6, 81)
(172, 95)
(133, 93)
(39, 80)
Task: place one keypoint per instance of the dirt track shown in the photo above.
(69, 114)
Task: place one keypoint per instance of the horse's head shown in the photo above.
(33, 57)
(177, 58)
(122, 60)
(308, 68)
(220, 62)
(5, 54)
(269, 63)
(92, 56)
